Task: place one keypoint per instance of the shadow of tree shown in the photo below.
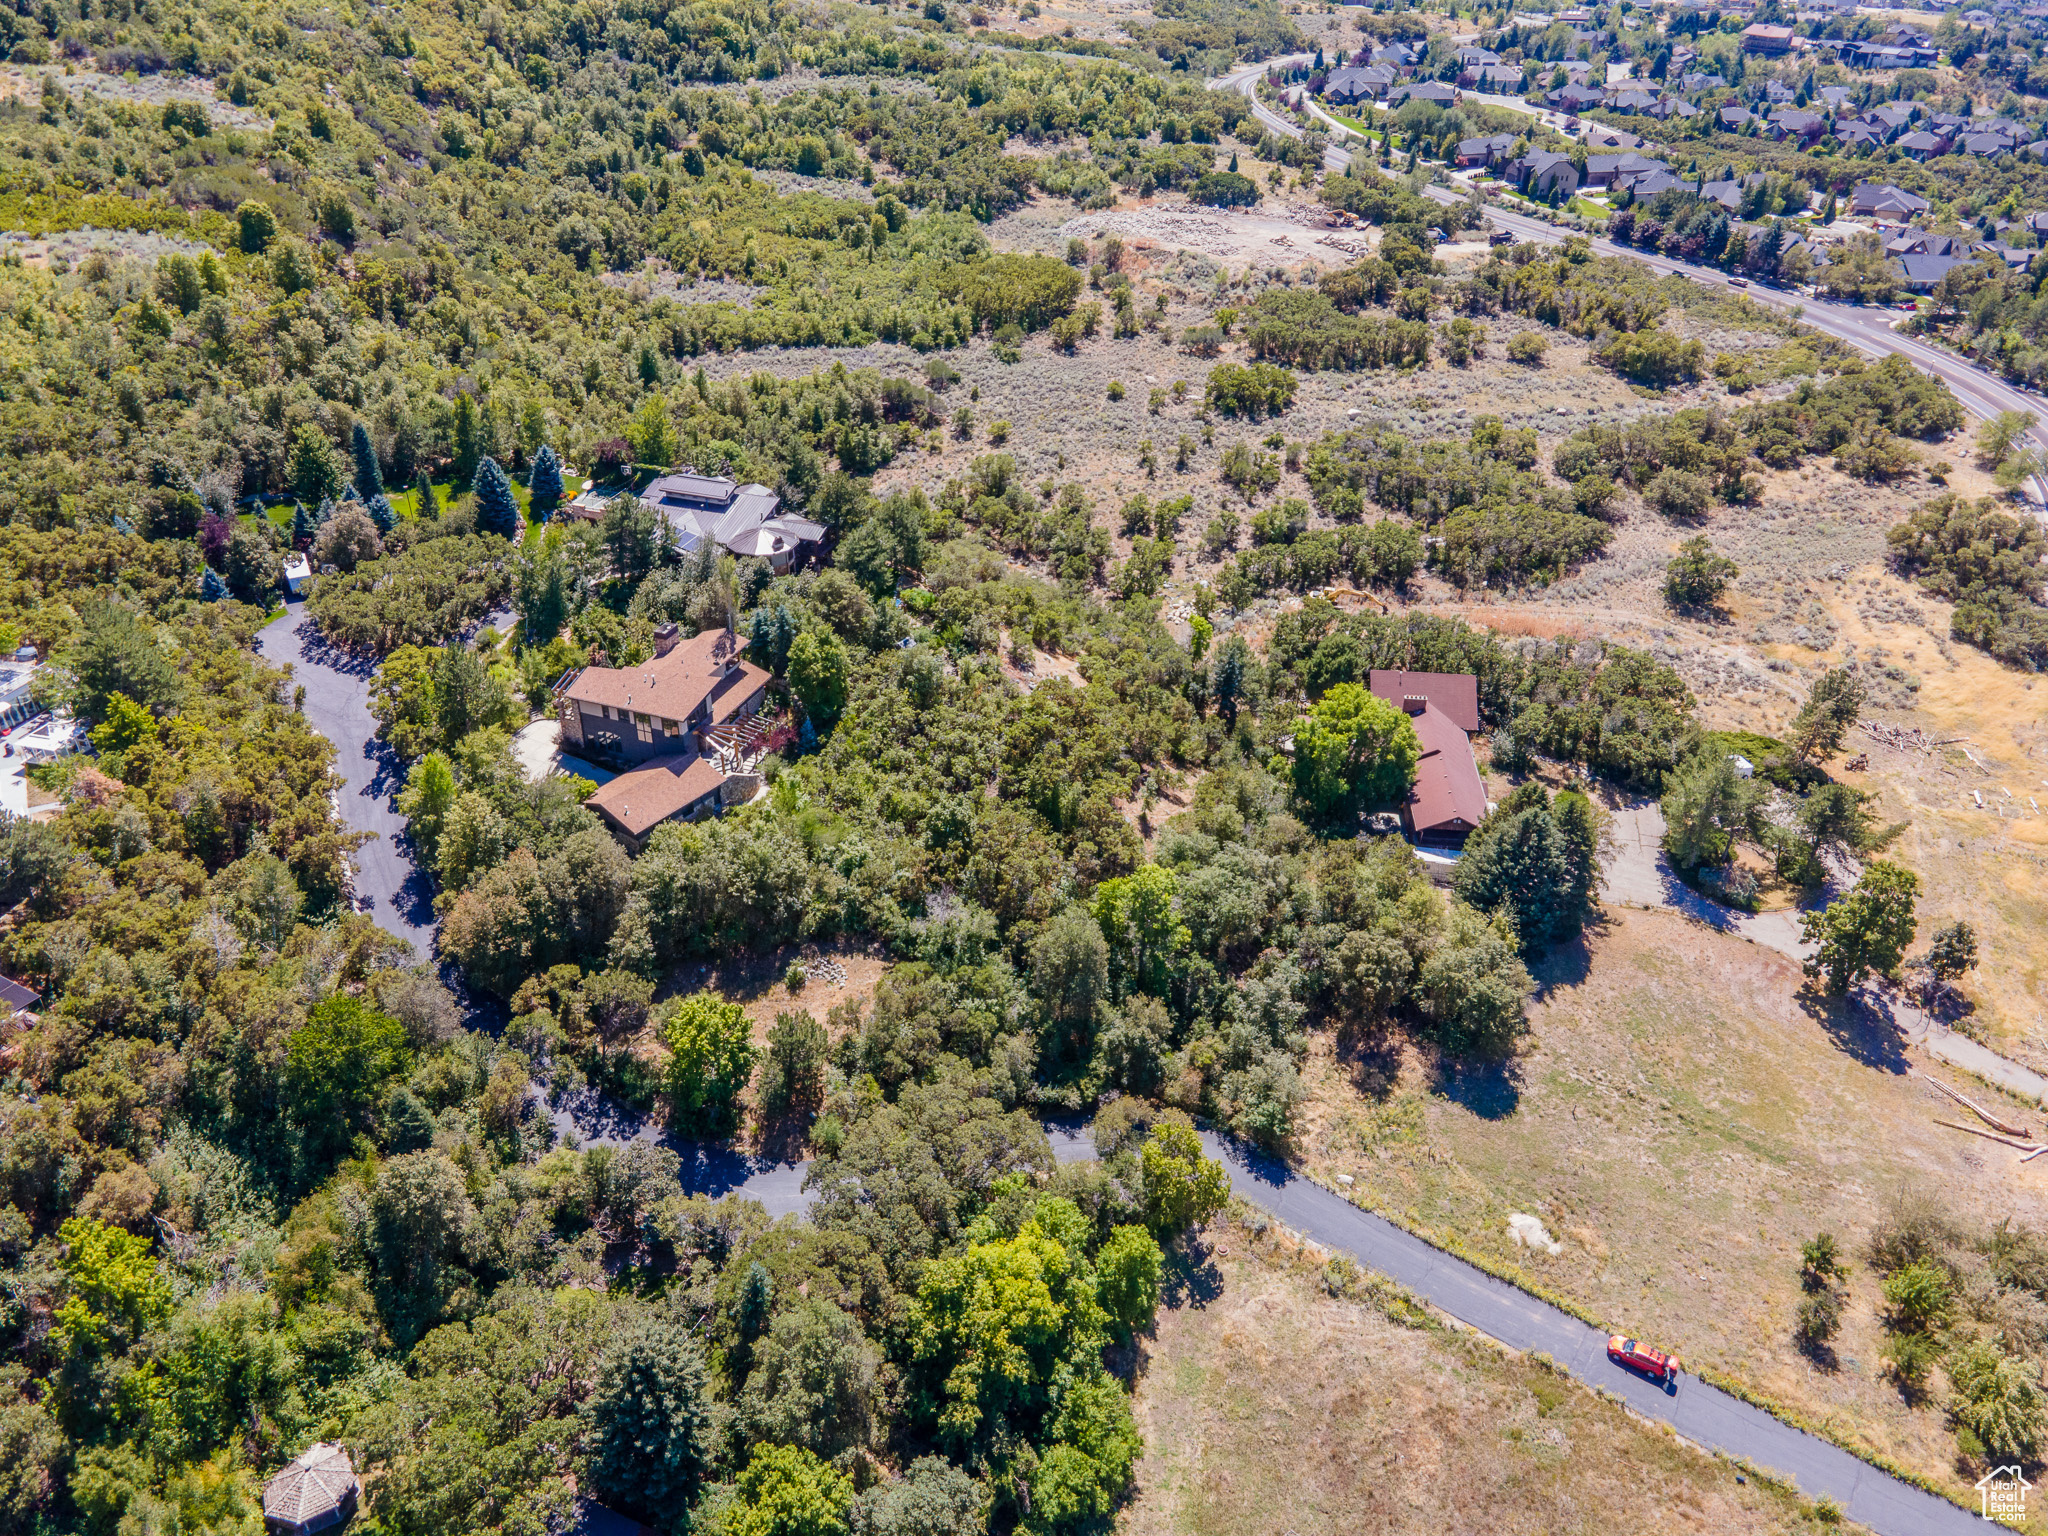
(1492, 1090)
(784, 1138)
(1370, 1055)
(1191, 1278)
(1565, 964)
(1863, 1026)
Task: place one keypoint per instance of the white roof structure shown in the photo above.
(316, 1491)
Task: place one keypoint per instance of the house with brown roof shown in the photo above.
(682, 721)
(670, 704)
(680, 788)
(1448, 799)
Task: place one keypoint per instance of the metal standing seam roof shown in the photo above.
(713, 490)
(316, 1483)
(1448, 795)
(1455, 693)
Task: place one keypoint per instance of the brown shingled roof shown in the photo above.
(1448, 797)
(702, 670)
(638, 801)
(1455, 693)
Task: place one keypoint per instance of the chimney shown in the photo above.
(664, 640)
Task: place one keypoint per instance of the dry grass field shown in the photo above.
(1682, 1121)
(1270, 1404)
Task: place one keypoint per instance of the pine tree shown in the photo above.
(750, 1319)
(497, 510)
(1827, 213)
(211, 588)
(545, 481)
(466, 430)
(1228, 687)
(369, 478)
(303, 526)
(382, 513)
(320, 518)
(1233, 162)
(430, 504)
(651, 1432)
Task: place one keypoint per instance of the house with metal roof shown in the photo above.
(1448, 799)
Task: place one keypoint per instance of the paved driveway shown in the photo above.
(1639, 875)
(388, 886)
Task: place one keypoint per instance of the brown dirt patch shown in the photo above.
(1273, 1405)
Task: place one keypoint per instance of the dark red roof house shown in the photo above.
(1455, 693)
(1448, 800)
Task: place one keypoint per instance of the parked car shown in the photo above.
(1738, 282)
(1635, 1356)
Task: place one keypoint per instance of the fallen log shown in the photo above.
(2009, 1141)
(1978, 1110)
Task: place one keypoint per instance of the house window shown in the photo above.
(638, 718)
(668, 727)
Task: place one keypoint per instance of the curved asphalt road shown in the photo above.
(1700, 1413)
(1870, 330)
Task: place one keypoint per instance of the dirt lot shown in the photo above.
(1268, 1404)
(1682, 1121)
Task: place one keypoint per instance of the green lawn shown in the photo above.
(406, 503)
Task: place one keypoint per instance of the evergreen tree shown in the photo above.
(497, 510)
(320, 518)
(466, 431)
(545, 481)
(303, 526)
(1228, 686)
(650, 1422)
(1827, 212)
(1233, 162)
(382, 513)
(314, 474)
(430, 504)
(211, 588)
(369, 478)
(749, 1319)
